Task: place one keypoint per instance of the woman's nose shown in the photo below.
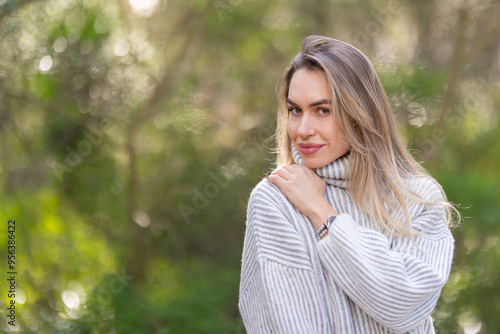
(306, 127)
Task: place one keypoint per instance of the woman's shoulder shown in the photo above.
(426, 187)
(265, 190)
(268, 198)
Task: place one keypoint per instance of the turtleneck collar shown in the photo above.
(335, 173)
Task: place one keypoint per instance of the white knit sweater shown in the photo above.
(358, 279)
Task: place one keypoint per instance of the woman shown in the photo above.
(349, 234)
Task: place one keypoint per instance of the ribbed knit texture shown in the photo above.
(358, 279)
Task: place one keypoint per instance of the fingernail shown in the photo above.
(268, 174)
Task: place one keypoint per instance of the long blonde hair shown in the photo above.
(378, 160)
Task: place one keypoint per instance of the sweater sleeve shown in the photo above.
(390, 279)
(279, 290)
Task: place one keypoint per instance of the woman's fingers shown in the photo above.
(290, 173)
(284, 173)
(276, 179)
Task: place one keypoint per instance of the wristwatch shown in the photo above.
(323, 229)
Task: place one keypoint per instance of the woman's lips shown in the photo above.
(309, 148)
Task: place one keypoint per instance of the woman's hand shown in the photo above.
(305, 190)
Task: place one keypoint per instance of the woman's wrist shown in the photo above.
(323, 230)
(320, 212)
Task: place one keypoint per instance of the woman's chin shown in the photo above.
(314, 163)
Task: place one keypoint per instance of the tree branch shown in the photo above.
(173, 72)
(456, 65)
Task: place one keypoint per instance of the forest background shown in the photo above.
(132, 132)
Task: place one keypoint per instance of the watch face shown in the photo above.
(329, 221)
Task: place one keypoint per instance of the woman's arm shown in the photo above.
(305, 190)
(279, 290)
(393, 281)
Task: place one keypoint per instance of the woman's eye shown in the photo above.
(323, 111)
(294, 111)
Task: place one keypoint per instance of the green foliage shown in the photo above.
(57, 251)
(179, 298)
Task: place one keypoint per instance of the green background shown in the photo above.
(130, 140)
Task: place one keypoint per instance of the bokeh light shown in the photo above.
(45, 63)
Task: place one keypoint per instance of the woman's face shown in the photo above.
(310, 119)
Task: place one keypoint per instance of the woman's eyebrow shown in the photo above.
(317, 103)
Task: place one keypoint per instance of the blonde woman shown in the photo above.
(349, 234)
